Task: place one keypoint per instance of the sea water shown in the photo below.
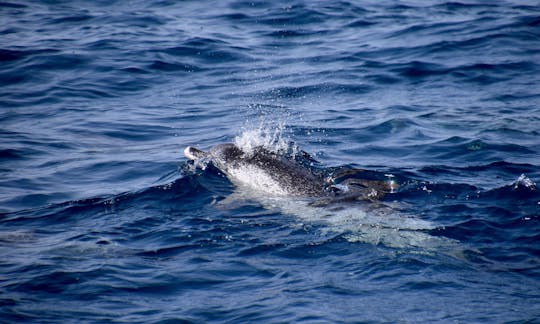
(103, 220)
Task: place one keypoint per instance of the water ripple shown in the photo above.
(101, 218)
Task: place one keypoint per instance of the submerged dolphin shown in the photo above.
(276, 174)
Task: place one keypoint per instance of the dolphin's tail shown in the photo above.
(194, 153)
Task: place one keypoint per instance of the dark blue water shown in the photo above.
(102, 219)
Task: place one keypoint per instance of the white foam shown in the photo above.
(525, 181)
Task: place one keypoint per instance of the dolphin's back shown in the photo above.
(294, 178)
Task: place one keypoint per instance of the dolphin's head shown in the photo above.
(225, 157)
(227, 153)
(222, 154)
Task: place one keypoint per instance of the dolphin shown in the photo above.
(280, 181)
(273, 173)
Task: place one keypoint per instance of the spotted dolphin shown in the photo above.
(273, 173)
(279, 181)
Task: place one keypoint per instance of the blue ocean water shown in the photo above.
(102, 219)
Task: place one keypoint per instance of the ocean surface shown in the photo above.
(102, 218)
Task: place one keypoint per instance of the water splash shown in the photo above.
(269, 131)
(524, 181)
